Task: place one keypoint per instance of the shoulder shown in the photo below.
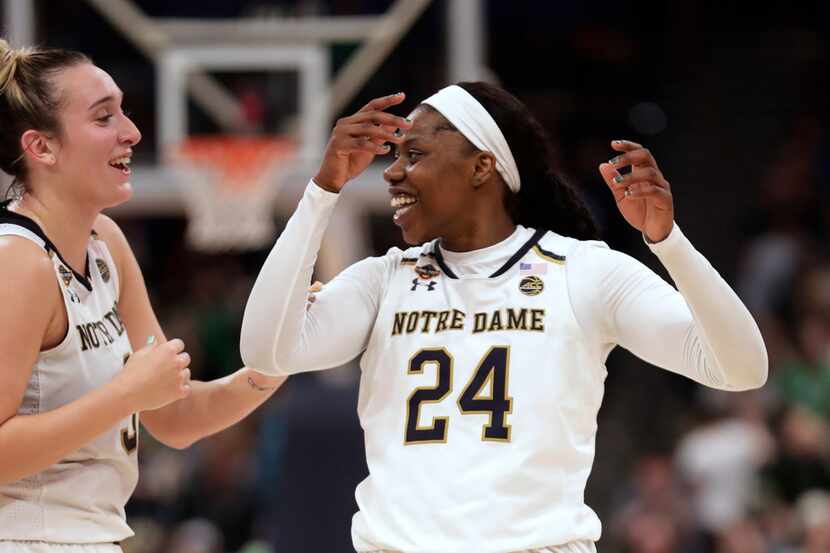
(28, 257)
(574, 251)
(593, 266)
(25, 267)
(108, 229)
(112, 235)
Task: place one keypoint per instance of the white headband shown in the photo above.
(473, 121)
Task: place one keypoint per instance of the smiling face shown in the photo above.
(432, 180)
(92, 153)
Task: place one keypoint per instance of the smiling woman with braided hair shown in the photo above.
(484, 344)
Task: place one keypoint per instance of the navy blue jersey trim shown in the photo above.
(520, 253)
(13, 218)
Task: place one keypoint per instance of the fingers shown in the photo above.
(643, 190)
(625, 145)
(638, 157)
(639, 174)
(364, 144)
(182, 360)
(316, 287)
(376, 118)
(370, 130)
(384, 102)
(184, 382)
(609, 173)
(640, 183)
(175, 345)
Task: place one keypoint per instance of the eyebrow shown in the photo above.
(104, 100)
(406, 142)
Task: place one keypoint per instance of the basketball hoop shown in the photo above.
(229, 184)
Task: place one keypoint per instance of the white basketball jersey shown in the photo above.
(478, 399)
(81, 498)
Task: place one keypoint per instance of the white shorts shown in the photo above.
(47, 547)
(573, 547)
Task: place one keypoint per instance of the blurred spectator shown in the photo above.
(657, 515)
(803, 459)
(196, 536)
(814, 510)
(741, 536)
(721, 458)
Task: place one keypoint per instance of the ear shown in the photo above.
(484, 168)
(38, 148)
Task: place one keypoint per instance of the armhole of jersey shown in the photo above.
(10, 229)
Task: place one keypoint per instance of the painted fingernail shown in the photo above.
(151, 340)
(618, 179)
(614, 160)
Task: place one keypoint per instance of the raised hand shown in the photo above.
(643, 196)
(357, 139)
(156, 375)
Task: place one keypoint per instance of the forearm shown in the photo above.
(730, 340)
(279, 294)
(211, 407)
(31, 443)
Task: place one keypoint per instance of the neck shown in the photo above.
(484, 230)
(67, 224)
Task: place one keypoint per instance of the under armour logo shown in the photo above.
(419, 282)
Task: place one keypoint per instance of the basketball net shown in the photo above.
(228, 184)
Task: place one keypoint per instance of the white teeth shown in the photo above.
(402, 200)
(123, 160)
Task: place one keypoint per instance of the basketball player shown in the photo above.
(81, 351)
(484, 344)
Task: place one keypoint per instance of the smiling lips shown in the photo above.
(122, 164)
(402, 203)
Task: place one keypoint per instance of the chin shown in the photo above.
(416, 238)
(123, 193)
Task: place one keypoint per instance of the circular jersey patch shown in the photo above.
(531, 286)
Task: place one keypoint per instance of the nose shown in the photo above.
(394, 173)
(130, 134)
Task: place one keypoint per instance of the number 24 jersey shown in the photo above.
(479, 397)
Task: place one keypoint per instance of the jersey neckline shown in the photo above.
(12, 217)
(520, 253)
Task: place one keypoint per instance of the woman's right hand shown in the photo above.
(156, 375)
(357, 139)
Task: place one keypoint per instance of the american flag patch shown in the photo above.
(533, 268)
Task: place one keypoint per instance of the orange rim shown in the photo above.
(240, 161)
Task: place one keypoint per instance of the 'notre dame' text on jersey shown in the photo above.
(81, 498)
(478, 398)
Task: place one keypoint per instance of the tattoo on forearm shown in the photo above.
(257, 387)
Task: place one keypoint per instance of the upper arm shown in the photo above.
(626, 303)
(133, 301)
(29, 296)
(337, 326)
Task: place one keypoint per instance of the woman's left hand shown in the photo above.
(643, 196)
